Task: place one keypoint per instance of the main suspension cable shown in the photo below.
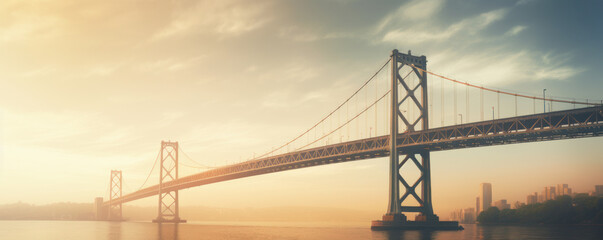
(331, 113)
(153, 168)
(347, 122)
(191, 159)
(352, 119)
(505, 92)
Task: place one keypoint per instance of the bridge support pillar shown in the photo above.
(100, 212)
(114, 211)
(414, 93)
(168, 211)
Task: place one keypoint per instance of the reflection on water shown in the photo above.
(167, 231)
(395, 235)
(57, 230)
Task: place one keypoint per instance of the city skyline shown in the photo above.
(464, 214)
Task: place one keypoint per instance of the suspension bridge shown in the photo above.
(393, 114)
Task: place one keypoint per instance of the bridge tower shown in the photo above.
(115, 210)
(399, 203)
(168, 210)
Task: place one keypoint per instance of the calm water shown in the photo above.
(59, 230)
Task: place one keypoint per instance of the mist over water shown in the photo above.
(66, 230)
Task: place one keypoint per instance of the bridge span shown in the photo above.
(578, 123)
(410, 141)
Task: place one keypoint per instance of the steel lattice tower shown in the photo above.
(168, 210)
(417, 96)
(115, 190)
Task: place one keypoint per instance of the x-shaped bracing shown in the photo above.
(168, 171)
(410, 190)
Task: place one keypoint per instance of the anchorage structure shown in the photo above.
(115, 211)
(398, 205)
(168, 171)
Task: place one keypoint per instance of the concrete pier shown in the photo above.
(161, 220)
(100, 213)
(399, 222)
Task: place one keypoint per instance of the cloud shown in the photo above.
(524, 2)
(294, 73)
(497, 62)
(421, 9)
(424, 33)
(515, 30)
(414, 10)
(556, 73)
(498, 67)
(228, 18)
(18, 25)
(26, 128)
(169, 64)
(299, 34)
(102, 70)
(37, 72)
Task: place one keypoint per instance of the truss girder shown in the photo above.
(577, 123)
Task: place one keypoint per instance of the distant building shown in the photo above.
(599, 190)
(549, 193)
(541, 198)
(99, 211)
(562, 189)
(485, 196)
(532, 199)
(468, 215)
(477, 207)
(502, 204)
(456, 215)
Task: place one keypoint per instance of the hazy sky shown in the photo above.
(90, 86)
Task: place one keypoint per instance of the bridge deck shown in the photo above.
(577, 123)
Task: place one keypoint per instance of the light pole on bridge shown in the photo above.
(492, 112)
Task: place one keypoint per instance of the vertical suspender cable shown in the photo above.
(481, 103)
(442, 99)
(357, 122)
(516, 105)
(347, 113)
(376, 106)
(467, 104)
(498, 102)
(430, 88)
(455, 112)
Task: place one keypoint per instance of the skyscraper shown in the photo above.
(477, 207)
(549, 193)
(485, 195)
(502, 204)
(532, 199)
(562, 189)
(468, 215)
